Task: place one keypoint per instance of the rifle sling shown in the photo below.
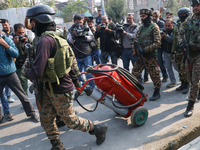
(148, 29)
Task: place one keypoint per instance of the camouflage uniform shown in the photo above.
(188, 29)
(61, 104)
(179, 55)
(151, 43)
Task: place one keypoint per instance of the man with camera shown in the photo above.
(99, 17)
(107, 41)
(149, 40)
(20, 39)
(80, 38)
(129, 32)
(8, 76)
(161, 63)
(167, 40)
(96, 52)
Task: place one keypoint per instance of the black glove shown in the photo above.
(183, 45)
(142, 50)
(77, 84)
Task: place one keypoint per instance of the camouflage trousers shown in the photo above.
(194, 90)
(62, 105)
(181, 70)
(151, 66)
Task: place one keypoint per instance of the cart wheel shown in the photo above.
(139, 116)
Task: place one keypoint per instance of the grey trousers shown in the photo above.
(13, 82)
(168, 65)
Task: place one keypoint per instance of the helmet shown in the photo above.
(41, 13)
(194, 2)
(184, 10)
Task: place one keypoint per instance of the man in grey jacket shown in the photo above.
(129, 33)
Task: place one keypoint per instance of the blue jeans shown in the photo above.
(96, 56)
(83, 64)
(4, 103)
(127, 57)
(161, 62)
(8, 91)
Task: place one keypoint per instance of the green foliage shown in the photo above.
(73, 7)
(174, 5)
(25, 3)
(116, 9)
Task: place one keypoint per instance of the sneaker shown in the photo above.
(1, 119)
(170, 85)
(10, 100)
(8, 116)
(165, 79)
(35, 118)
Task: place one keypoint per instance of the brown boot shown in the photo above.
(57, 145)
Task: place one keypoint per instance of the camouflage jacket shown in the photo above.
(151, 42)
(175, 40)
(190, 33)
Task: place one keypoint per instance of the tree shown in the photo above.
(174, 5)
(116, 9)
(25, 3)
(73, 7)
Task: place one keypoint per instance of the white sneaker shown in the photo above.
(11, 100)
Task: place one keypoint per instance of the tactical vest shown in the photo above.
(146, 39)
(60, 65)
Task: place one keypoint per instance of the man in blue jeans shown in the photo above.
(129, 33)
(81, 46)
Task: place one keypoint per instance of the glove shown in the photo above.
(183, 44)
(77, 84)
(23, 71)
(142, 50)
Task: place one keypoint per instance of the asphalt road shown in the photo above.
(165, 124)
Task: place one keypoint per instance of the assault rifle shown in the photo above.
(187, 57)
(37, 85)
(138, 51)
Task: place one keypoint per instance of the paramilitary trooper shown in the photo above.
(183, 13)
(149, 39)
(56, 66)
(189, 39)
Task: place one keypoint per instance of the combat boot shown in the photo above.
(100, 133)
(57, 145)
(156, 95)
(180, 88)
(59, 122)
(190, 108)
(186, 87)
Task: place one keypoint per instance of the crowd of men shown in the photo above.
(157, 45)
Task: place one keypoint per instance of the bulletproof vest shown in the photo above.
(60, 65)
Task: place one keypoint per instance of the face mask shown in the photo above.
(146, 20)
(182, 18)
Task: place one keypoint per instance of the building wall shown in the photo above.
(140, 4)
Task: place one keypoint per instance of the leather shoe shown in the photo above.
(165, 79)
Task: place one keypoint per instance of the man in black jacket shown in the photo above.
(107, 43)
(167, 40)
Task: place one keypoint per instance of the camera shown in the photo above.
(120, 26)
(103, 26)
(21, 38)
(162, 31)
(80, 31)
(2, 36)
